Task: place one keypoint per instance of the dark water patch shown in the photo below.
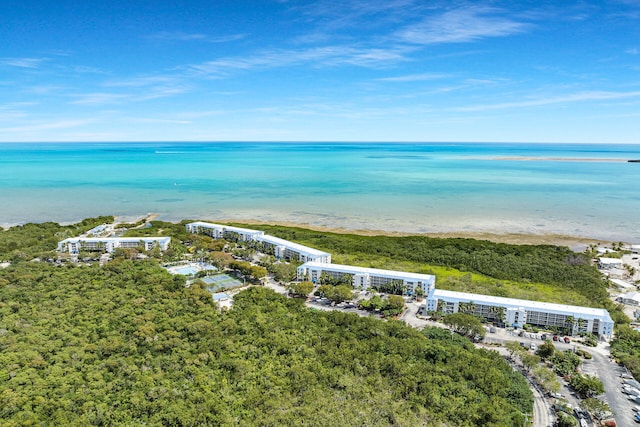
(169, 200)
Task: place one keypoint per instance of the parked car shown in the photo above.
(567, 340)
(533, 347)
(636, 409)
(556, 338)
(581, 413)
(636, 418)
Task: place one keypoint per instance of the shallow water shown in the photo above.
(395, 187)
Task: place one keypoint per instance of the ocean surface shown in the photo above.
(579, 190)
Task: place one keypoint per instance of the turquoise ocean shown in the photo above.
(574, 189)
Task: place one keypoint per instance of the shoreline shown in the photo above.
(576, 243)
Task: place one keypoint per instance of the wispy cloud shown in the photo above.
(155, 120)
(461, 25)
(176, 35)
(318, 56)
(40, 126)
(181, 36)
(23, 62)
(632, 51)
(415, 77)
(98, 98)
(569, 98)
(146, 94)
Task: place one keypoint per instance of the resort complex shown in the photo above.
(109, 244)
(507, 311)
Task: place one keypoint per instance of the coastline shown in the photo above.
(575, 242)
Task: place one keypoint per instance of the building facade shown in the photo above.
(280, 248)
(517, 313)
(365, 278)
(108, 244)
(218, 231)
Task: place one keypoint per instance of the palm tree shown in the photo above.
(569, 323)
(442, 306)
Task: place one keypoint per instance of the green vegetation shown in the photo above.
(302, 289)
(467, 325)
(128, 344)
(626, 348)
(25, 242)
(389, 306)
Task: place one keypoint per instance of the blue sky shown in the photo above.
(394, 70)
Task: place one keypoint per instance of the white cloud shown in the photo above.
(415, 77)
(177, 35)
(318, 56)
(23, 62)
(461, 25)
(39, 126)
(575, 97)
(98, 98)
(181, 36)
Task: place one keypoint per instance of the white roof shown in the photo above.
(631, 295)
(622, 283)
(372, 271)
(293, 246)
(604, 260)
(225, 227)
(533, 305)
(115, 239)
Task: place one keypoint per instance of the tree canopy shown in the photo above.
(127, 343)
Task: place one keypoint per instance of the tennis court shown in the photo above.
(221, 282)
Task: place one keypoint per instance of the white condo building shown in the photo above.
(107, 244)
(364, 278)
(517, 312)
(218, 231)
(282, 249)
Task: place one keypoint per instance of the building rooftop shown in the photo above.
(114, 239)
(535, 305)
(226, 227)
(366, 270)
(293, 246)
(604, 260)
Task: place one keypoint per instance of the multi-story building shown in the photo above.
(280, 248)
(517, 312)
(218, 231)
(364, 278)
(107, 244)
(284, 249)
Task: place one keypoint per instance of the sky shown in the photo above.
(328, 70)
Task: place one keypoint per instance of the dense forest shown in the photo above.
(129, 344)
